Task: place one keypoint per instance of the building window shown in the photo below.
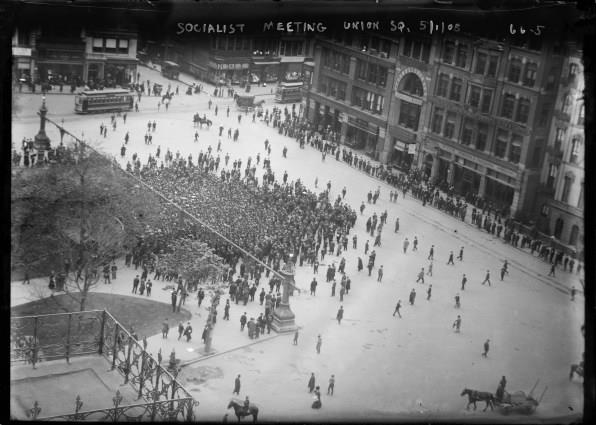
(450, 125)
(493, 63)
(566, 104)
(367, 100)
(552, 175)
(482, 137)
(360, 69)
(448, 52)
(580, 116)
(516, 144)
(417, 49)
(559, 227)
(573, 235)
(409, 115)
(530, 74)
(481, 61)
(462, 56)
(371, 73)
(412, 85)
(501, 143)
(580, 201)
(455, 94)
(550, 80)
(467, 132)
(442, 85)
(515, 67)
(508, 105)
(487, 96)
(474, 96)
(567, 181)
(575, 147)
(573, 69)
(437, 123)
(523, 110)
(559, 134)
(544, 114)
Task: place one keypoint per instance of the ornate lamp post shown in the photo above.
(42, 141)
(283, 317)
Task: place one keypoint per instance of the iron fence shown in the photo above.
(66, 335)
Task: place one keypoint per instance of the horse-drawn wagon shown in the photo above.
(519, 402)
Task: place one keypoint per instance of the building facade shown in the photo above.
(74, 55)
(561, 205)
(472, 113)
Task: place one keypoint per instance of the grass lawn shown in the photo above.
(144, 315)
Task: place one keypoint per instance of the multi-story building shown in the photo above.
(351, 87)
(470, 112)
(236, 59)
(562, 180)
(72, 54)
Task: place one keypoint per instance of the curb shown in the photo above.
(189, 362)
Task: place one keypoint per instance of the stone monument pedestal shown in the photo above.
(283, 317)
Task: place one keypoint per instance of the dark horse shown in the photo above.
(205, 121)
(474, 396)
(241, 412)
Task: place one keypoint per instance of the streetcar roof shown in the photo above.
(293, 84)
(170, 63)
(103, 92)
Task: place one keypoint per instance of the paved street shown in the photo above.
(413, 367)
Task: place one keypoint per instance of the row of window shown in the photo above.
(507, 144)
(108, 100)
(363, 42)
(515, 108)
(522, 74)
(230, 43)
(337, 61)
(367, 100)
(371, 73)
(568, 179)
(333, 88)
(477, 96)
(110, 45)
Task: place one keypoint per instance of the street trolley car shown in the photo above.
(170, 70)
(289, 92)
(110, 100)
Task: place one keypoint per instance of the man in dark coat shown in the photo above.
(242, 321)
(174, 301)
(188, 332)
(311, 383)
(340, 314)
(236, 386)
(412, 296)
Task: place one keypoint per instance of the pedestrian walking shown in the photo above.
(188, 332)
(295, 342)
(236, 386)
(552, 270)
(174, 300)
(319, 343)
(331, 386)
(165, 329)
(457, 304)
(180, 330)
(430, 269)
(431, 253)
(242, 321)
(340, 314)
(397, 307)
(502, 273)
(406, 244)
(380, 274)
(464, 279)
(420, 275)
(428, 292)
(227, 310)
(450, 261)
(486, 347)
(311, 383)
(148, 287)
(415, 244)
(457, 324)
(412, 296)
(460, 257)
(135, 284)
(396, 224)
(487, 278)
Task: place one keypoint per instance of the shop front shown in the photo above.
(120, 72)
(500, 194)
(362, 135)
(228, 72)
(266, 71)
(465, 180)
(22, 64)
(403, 154)
(60, 62)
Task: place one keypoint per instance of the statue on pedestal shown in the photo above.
(283, 317)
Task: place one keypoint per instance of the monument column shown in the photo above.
(283, 317)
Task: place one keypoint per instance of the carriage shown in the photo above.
(519, 402)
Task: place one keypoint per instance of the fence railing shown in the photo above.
(66, 335)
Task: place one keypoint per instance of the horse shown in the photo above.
(240, 411)
(576, 368)
(205, 121)
(474, 396)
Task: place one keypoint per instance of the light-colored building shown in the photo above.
(562, 179)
